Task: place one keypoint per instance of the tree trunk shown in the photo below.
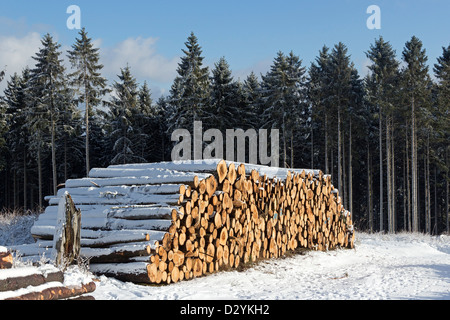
(292, 150)
(327, 171)
(65, 159)
(380, 133)
(312, 147)
(87, 130)
(55, 183)
(369, 189)
(15, 189)
(405, 211)
(340, 184)
(39, 174)
(350, 170)
(344, 173)
(447, 192)
(393, 188)
(53, 142)
(25, 182)
(425, 179)
(415, 211)
(429, 183)
(389, 173)
(284, 144)
(436, 231)
(408, 182)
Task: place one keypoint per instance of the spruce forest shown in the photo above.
(383, 137)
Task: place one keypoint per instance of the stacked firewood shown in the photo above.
(165, 222)
(232, 218)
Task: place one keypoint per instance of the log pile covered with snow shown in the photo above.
(44, 282)
(166, 222)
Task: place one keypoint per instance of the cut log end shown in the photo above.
(222, 170)
(6, 260)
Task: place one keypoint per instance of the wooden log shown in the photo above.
(211, 185)
(103, 239)
(175, 275)
(6, 260)
(123, 199)
(222, 170)
(210, 252)
(198, 268)
(119, 253)
(32, 276)
(232, 174)
(58, 292)
(121, 190)
(178, 258)
(156, 179)
(223, 237)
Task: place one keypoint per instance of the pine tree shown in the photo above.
(319, 97)
(37, 124)
(189, 94)
(442, 72)
(69, 138)
(164, 111)
(3, 130)
(417, 82)
(222, 112)
(100, 144)
(383, 78)
(91, 86)
(252, 107)
(123, 109)
(17, 136)
(47, 78)
(340, 89)
(283, 95)
(144, 123)
(355, 121)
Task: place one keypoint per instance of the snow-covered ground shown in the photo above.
(381, 267)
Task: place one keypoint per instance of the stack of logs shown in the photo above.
(165, 222)
(37, 283)
(231, 219)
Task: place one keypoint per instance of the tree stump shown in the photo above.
(67, 239)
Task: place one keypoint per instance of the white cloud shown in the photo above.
(142, 57)
(260, 67)
(16, 53)
(139, 53)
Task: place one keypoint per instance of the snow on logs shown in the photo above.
(249, 216)
(166, 222)
(40, 283)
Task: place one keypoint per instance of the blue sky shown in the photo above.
(149, 35)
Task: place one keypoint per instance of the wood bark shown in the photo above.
(68, 244)
(15, 283)
(58, 293)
